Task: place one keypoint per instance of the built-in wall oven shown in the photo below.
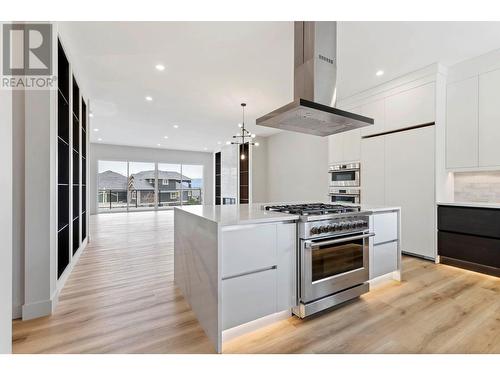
(333, 263)
(345, 175)
(343, 195)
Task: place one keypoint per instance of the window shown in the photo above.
(192, 184)
(169, 194)
(137, 185)
(141, 185)
(112, 185)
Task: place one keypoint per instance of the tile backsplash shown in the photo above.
(477, 187)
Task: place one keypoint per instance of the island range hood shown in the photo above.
(315, 79)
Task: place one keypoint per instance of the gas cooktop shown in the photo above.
(308, 209)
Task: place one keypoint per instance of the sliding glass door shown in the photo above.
(112, 185)
(192, 184)
(129, 186)
(169, 185)
(141, 185)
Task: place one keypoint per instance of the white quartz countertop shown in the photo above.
(377, 208)
(471, 204)
(253, 213)
(237, 214)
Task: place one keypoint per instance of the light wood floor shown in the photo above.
(121, 298)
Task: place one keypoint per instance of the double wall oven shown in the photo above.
(345, 183)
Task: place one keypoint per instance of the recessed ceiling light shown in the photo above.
(219, 142)
(91, 114)
(379, 73)
(205, 148)
(149, 98)
(166, 136)
(99, 139)
(160, 67)
(228, 142)
(158, 145)
(96, 130)
(176, 126)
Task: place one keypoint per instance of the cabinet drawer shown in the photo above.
(249, 248)
(249, 297)
(479, 250)
(385, 258)
(470, 220)
(385, 227)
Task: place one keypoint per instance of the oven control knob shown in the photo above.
(330, 228)
(314, 230)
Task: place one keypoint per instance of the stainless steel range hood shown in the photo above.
(315, 79)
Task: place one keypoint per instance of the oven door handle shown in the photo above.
(311, 244)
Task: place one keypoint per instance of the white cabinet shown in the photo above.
(384, 259)
(248, 248)
(385, 226)
(352, 145)
(248, 297)
(462, 123)
(409, 108)
(489, 119)
(376, 111)
(384, 251)
(258, 271)
(335, 148)
(373, 170)
(409, 184)
(345, 147)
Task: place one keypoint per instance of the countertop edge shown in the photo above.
(470, 204)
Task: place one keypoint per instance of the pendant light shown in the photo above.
(245, 136)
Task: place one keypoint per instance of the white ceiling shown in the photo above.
(211, 67)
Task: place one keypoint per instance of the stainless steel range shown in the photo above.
(332, 260)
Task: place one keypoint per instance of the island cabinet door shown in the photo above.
(248, 248)
(248, 297)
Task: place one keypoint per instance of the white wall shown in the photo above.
(6, 221)
(40, 257)
(297, 168)
(141, 154)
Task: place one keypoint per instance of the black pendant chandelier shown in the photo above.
(245, 137)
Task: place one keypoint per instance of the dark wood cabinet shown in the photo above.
(469, 237)
(218, 167)
(244, 173)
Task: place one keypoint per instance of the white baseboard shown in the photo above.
(17, 311)
(45, 308)
(240, 330)
(391, 276)
(37, 309)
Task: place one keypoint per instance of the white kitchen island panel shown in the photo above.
(234, 264)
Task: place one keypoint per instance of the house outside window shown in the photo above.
(174, 195)
(164, 182)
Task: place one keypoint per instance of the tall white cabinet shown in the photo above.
(489, 119)
(397, 155)
(409, 183)
(473, 121)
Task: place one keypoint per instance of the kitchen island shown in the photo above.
(237, 265)
(234, 264)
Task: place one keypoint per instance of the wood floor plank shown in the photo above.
(121, 298)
